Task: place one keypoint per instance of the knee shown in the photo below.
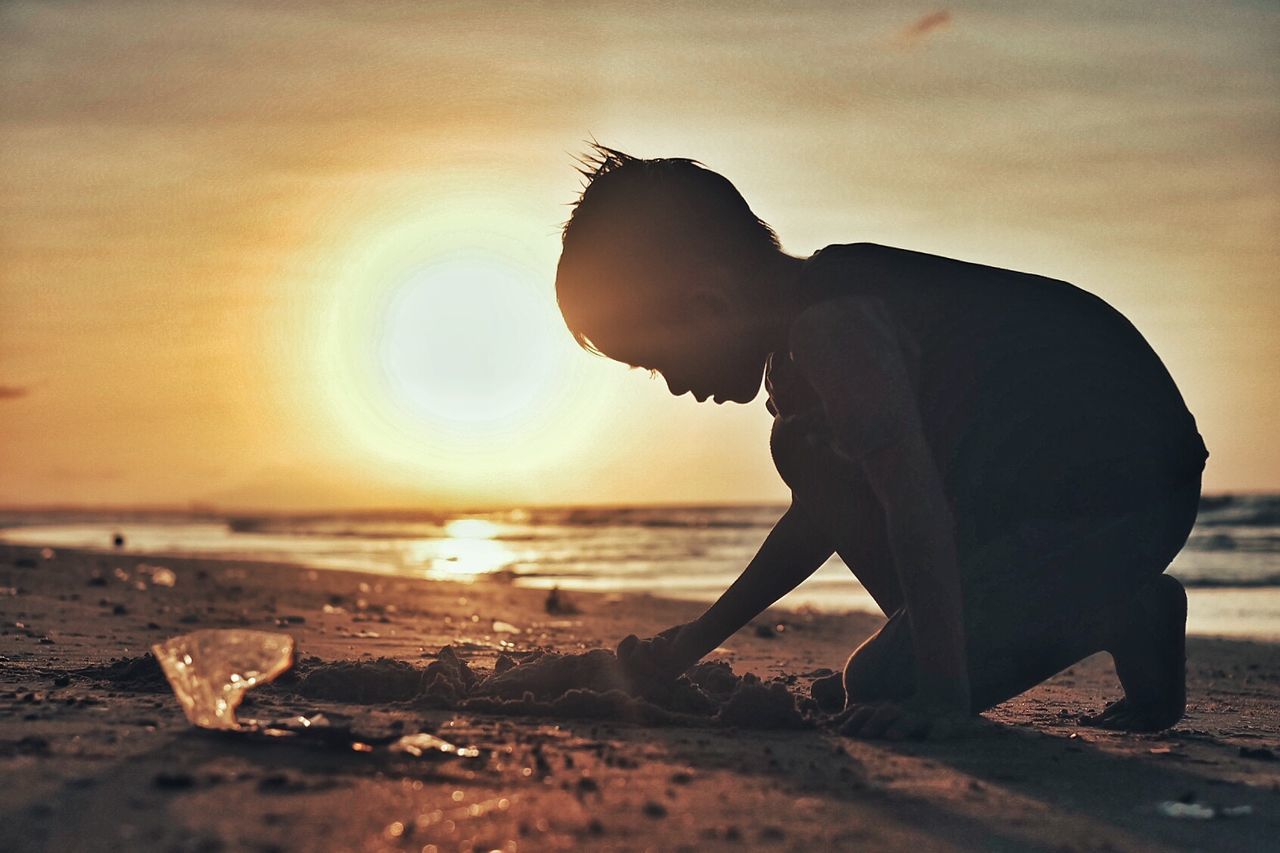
(803, 456)
(872, 674)
(1164, 597)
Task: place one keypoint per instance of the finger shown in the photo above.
(843, 717)
(858, 716)
(907, 726)
(879, 722)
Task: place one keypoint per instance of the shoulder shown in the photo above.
(847, 350)
(846, 258)
(841, 271)
(841, 329)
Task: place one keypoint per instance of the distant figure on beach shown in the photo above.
(1001, 459)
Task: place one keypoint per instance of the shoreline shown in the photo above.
(95, 765)
(1215, 610)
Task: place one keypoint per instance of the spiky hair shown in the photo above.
(643, 218)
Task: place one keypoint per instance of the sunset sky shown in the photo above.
(302, 256)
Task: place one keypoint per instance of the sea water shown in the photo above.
(1230, 565)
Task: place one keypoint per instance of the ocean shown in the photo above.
(1230, 565)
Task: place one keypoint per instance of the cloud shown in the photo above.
(13, 392)
(924, 26)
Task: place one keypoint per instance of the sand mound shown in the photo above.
(140, 674)
(372, 682)
(591, 685)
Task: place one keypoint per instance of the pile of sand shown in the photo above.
(592, 685)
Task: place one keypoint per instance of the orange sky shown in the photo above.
(220, 226)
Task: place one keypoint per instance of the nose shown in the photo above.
(675, 387)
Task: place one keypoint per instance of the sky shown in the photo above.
(301, 256)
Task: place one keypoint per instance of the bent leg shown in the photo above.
(1048, 595)
(1150, 654)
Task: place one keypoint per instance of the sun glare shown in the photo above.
(471, 528)
(465, 343)
(442, 352)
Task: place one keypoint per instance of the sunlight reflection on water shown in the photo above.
(470, 549)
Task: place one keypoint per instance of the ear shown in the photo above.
(708, 302)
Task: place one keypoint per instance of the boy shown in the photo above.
(1001, 459)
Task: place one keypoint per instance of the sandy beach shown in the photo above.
(96, 753)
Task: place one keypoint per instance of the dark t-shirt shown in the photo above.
(1036, 398)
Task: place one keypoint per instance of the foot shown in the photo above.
(1151, 660)
(1121, 715)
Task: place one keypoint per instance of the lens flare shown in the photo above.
(441, 360)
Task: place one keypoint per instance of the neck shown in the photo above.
(778, 282)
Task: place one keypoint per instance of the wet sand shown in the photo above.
(100, 757)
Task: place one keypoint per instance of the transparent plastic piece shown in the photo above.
(210, 670)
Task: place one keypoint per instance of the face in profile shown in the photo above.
(713, 356)
(685, 311)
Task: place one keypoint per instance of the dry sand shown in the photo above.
(104, 759)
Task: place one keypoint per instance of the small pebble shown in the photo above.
(655, 810)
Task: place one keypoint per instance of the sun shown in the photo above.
(436, 359)
(466, 343)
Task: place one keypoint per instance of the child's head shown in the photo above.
(661, 268)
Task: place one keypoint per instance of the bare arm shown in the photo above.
(922, 541)
(792, 551)
(849, 352)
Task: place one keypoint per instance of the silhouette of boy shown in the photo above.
(1000, 458)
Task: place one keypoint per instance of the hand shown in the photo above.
(912, 720)
(658, 657)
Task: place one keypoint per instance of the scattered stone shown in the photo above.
(282, 783)
(28, 745)
(176, 781)
(654, 810)
(1261, 753)
(163, 576)
(558, 603)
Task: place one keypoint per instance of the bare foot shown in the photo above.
(1120, 715)
(1151, 661)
